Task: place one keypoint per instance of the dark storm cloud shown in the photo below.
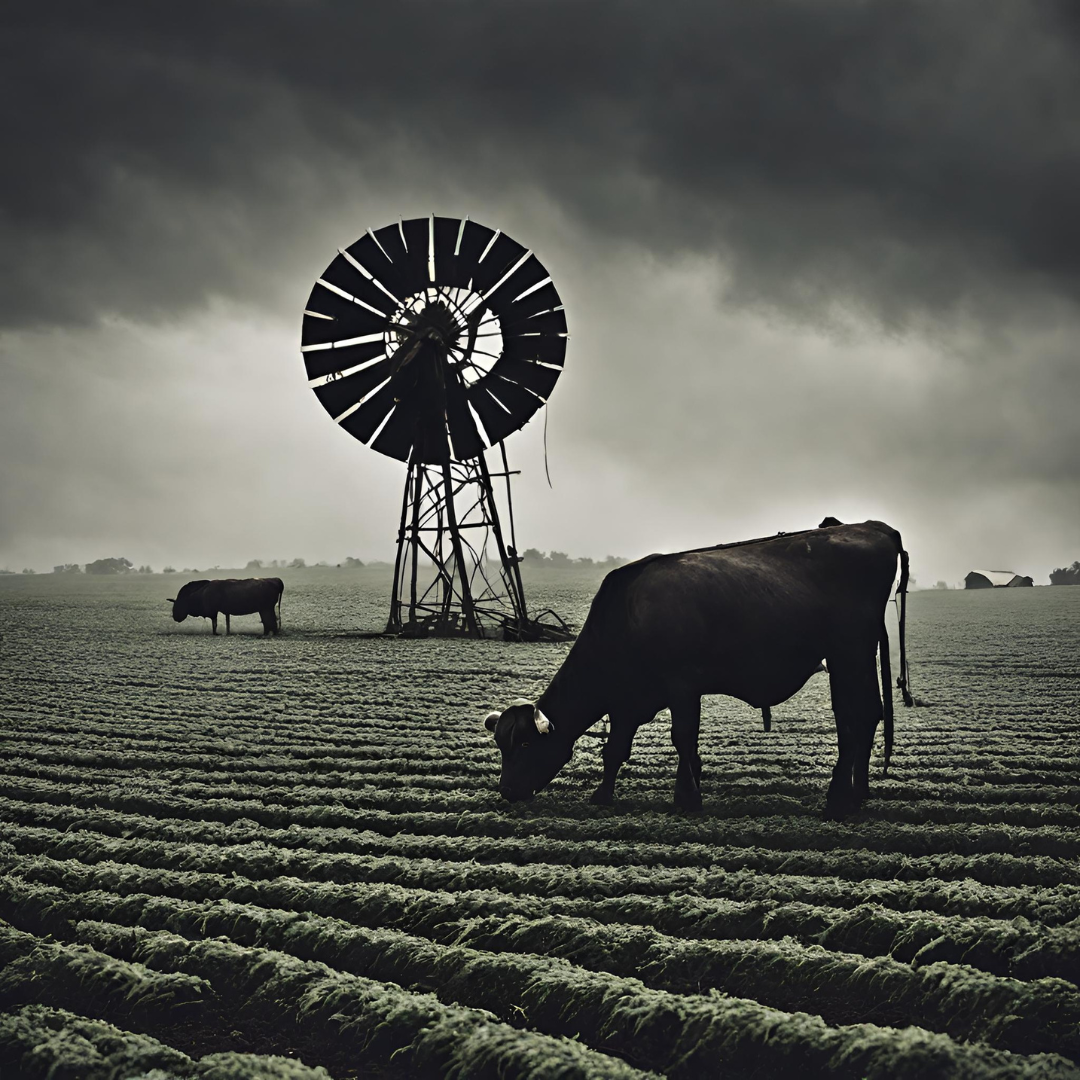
(899, 157)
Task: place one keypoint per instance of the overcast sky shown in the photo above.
(817, 258)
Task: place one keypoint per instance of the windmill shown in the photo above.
(432, 340)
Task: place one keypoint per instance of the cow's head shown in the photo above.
(533, 751)
(182, 602)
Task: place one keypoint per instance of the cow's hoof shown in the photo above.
(600, 797)
(836, 809)
(689, 801)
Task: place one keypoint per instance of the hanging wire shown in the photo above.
(547, 472)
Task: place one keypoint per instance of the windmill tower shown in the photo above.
(431, 341)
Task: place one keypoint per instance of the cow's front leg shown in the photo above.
(685, 725)
(616, 751)
(228, 625)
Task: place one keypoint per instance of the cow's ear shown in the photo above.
(491, 720)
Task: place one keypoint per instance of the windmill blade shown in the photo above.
(367, 252)
(503, 407)
(521, 402)
(548, 323)
(543, 348)
(342, 274)
(497, 262)
(464, 436)
(450, 269)
(535, 377)
(492, 415)
(417, 233)
(531, 272)
(363, 423)
(397, 436)
(343, 393)
(543, 299)
(411, 269)
(474, 242)
(325, 362)
(328, 317)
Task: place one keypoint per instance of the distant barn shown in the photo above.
(996, 579)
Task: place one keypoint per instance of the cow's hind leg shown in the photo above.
(213, 623)
(685, 725)
(856, 702)
(269, 622)
(228, 625)
(616, 751)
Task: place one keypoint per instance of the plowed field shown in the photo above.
(236, 857)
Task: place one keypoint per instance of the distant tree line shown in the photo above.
(103, 566)
(561, 561)
(349, 562)
(125, 566)
(1066, 575)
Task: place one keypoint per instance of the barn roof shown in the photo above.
(996, 577)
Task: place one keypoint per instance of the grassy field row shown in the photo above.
(152, 981)
(245, 850)
(388, 784)
(843, 988)
(727, 742)
(678, 1035)
(57, 1044)
(660, 838)
(1014, 946)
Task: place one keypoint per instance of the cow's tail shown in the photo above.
(280, 594)
(901, 592)
(886, 694)
(886, 661)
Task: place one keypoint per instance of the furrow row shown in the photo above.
(146, 978)
(1007, 947)
(378, 785)
(657, 838)
(1025, 1016)
(248, 852)
(680, 1035)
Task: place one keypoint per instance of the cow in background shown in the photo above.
(231, 596)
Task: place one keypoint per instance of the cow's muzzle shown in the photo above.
(515, 794)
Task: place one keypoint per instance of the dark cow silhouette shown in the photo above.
(231, 596)
(750, 620)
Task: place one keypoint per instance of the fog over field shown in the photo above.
(816, 259)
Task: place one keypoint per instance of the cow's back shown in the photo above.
(750, 620)
(244, 596)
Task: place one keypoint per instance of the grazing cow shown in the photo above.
(751, 620)
(231, 596)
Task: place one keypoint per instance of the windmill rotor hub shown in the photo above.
(434, 321)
